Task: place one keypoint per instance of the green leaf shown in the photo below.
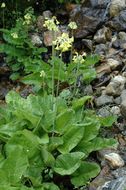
(89, 75)
(15, 165)
(94, 145)
(64, 119)
(47, 157)
(108, 121)
(78, 103)
(54, 142)
(84, 173)
(71, 138)
(91, 60)
(50, 186)
(67, 164)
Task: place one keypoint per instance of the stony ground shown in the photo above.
(101, 30)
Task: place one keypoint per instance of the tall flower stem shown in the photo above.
(3, 19)
(57, 90)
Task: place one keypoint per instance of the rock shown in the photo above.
(103, 69)
(101, 49)
(103, 100)
(115, 110)
(36, 40)
(116, 6)
(113, 63)
(123, 95)
(117, 184)
(114, 160)
(117, 100)
(88, 90)
(119, 172)
(99, 3)
(88, 20)
(116, 85)
(41, 19)
(48, 37)
(122, 36)
(102, 35)
(88, 43)
(104, 111)
(118, 23)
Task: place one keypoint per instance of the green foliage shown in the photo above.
(44, 137)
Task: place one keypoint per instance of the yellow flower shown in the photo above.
(63, 43)
(14, 35)
(79, 58)
(72, 25)
(3, 5)
(51, 24)
(42, 74)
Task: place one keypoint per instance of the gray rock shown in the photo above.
(115, 110)
(118, 23)
(88, 19)
(123, 95)
(104, 111)
(118, 184)
(103, 100)
(116, 85)
(117, 100)
(116, 6)
(100, 49)
(99, 3)
(119, 172)
(36, 40)
(102, 35)
(87, 43)
(113, 63)
(88, 90)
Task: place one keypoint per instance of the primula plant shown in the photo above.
(46, 138)
(46, 143)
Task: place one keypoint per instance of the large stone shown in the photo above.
(118, 23)
(117, 184)
(99, 3)
(88, 20)
(103, 100)
(116, 85)
(102, 35)
(36, 39)
(116, 6)
(114, 160)
(113, 63)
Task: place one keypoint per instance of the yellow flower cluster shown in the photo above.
(63, 43)
(79, 58)
(14, 35)
(72, 25)
(51, 24)
(27, 18)
(3, 5)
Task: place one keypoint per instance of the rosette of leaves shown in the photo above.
(44, 142)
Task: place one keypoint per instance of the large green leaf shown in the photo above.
(84, 173)
(71, 138)
(95, 144)
(92, 126)
(15, 165)
(47, 157)
(78, 103)
(108, 121)
(54, 142)
(64, 119)
(67, 164)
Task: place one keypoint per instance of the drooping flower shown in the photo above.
(27, 18)
(14, 35)
(3, 5)
(72, 25)
(63, 43)
(79, 58)
(51, 24)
